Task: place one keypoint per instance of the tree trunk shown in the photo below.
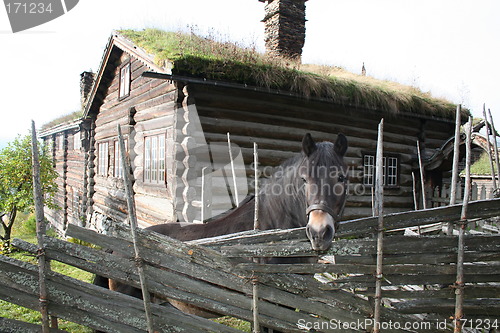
(7, 227)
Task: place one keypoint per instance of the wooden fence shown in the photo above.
(479, 191)
(216, 274)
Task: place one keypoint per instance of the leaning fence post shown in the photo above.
(414, 188)
(127, 177)
(206, 194)
(454, 172)
(497, 161)
(40, 231)
(422, 179)
(233, 172)
(256, 226)
(488, 145)
(379, 206)
(460, 284)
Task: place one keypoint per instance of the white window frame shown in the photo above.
(77, 141)
(390, 172)
(154, 159)
(118, 167)
(124, 89)
(103, 158)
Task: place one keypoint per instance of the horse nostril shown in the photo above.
(328, 233)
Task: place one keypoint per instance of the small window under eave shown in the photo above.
(124, 89)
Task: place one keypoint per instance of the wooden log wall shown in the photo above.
(278, 123)
(148, 110)
(69, 162)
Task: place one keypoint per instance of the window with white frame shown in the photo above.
(390, 170)
(154, 159)
(124, 89)
(60, 142)
(118, 166)
(77, 142)
(103, 159)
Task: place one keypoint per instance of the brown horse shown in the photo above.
(308, 190)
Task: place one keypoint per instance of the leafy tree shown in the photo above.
(16, 182)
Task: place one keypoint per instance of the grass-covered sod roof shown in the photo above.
(193, 55)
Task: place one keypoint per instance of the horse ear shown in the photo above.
(308, 145)
(340, 146)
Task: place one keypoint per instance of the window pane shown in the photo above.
(368, 169)
(116, 158)
(154, 158)
(102, 161)
(161, 158)
(124, 81)
(392, 171)
(77, 143)
(147, 159)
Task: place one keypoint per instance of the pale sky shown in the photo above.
(448, 47)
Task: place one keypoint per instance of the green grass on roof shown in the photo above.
(63, 119)
(197, 56)
(482, 166)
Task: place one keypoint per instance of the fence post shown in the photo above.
(422, 179)
(460, 284)
(256, 226)
(235, 192)
(40, 230)
(454, 172)
(127, 178)
(488, 145)
(379, 206)
(497, 161)
(206, 194)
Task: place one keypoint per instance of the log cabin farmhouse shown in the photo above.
(177, 95)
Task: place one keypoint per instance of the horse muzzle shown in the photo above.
(320, 229)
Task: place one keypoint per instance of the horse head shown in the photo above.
(325, 185)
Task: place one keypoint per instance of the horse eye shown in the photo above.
(341, 179)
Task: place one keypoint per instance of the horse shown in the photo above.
(308, 190)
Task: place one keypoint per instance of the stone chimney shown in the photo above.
(86, 81)
(285, 28)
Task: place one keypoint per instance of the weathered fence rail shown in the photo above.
(419, 276)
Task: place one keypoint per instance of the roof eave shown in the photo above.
(116, 40)
(75, 124)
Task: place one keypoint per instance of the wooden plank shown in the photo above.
(395, 245)
(402, 269)
(363, 226)
(430, 259)
(472, 292)
(366, 281)
(487, 307)
(367, 226)
(16, 326)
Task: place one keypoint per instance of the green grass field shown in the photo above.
(24, 228)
